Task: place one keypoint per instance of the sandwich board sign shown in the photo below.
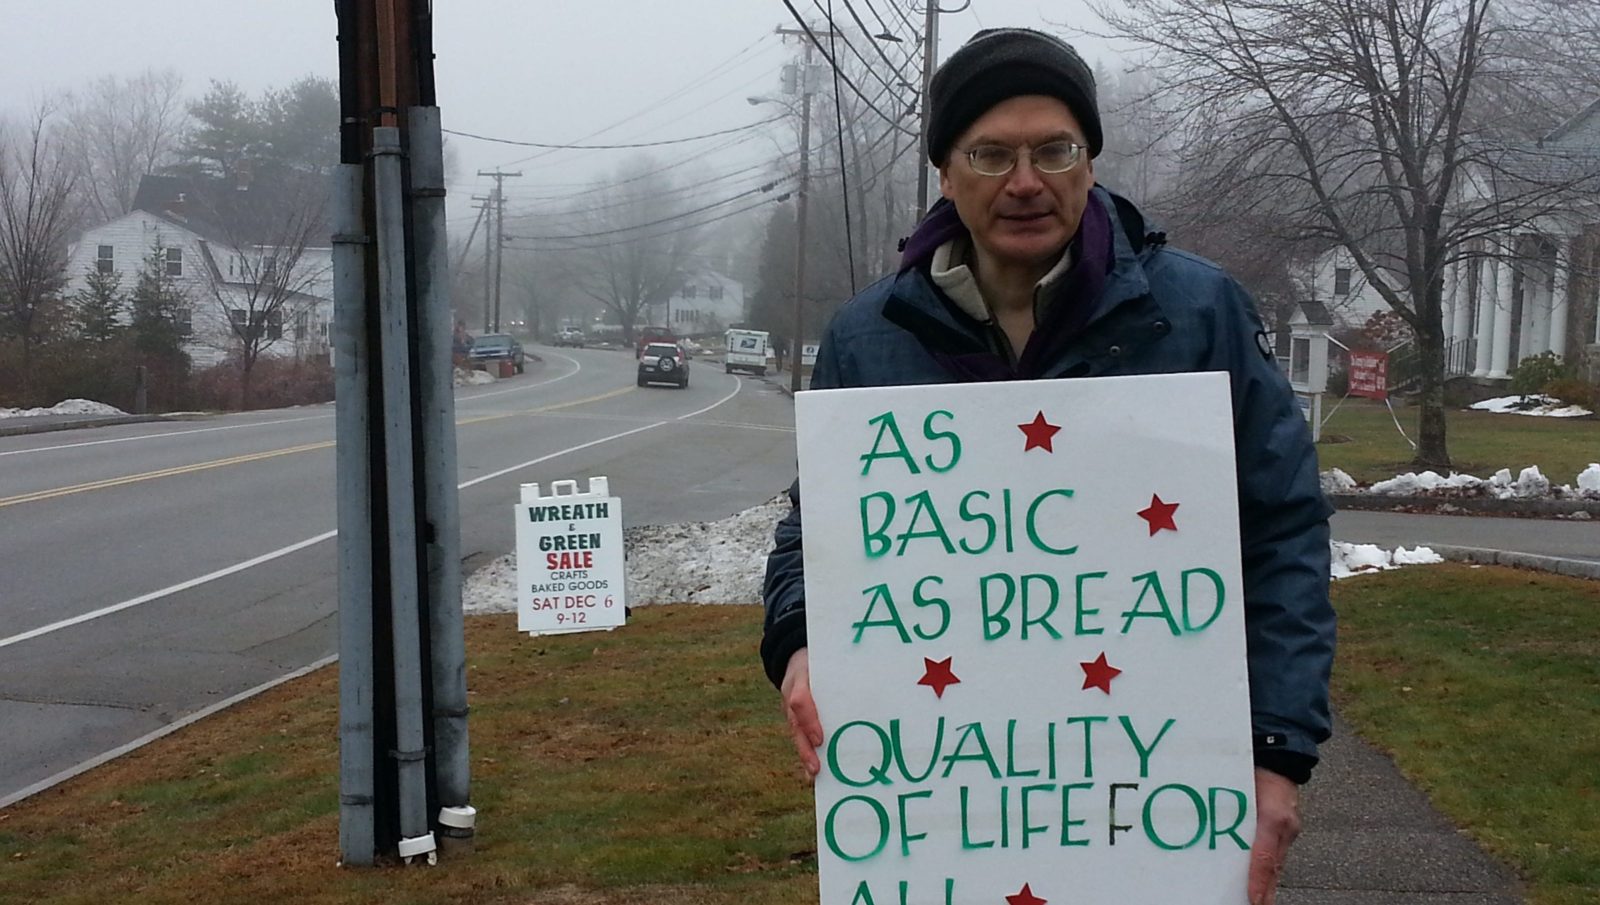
(1025, 623)
(570, 567)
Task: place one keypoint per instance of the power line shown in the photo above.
(894, 123)
(622, 147)
(765, 187)
(671, 232)
(742, 174)
(866, 63)
(844, 175)
(671, 96)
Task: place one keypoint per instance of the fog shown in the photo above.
(617, 72)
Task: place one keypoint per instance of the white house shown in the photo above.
(1528, 290)
(1533, 288)
(1333, 280)
(708, 302)
(234, 258)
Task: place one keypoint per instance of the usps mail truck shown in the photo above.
(747, 351)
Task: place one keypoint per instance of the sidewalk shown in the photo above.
(1371, 838)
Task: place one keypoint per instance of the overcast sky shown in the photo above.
(555, 71)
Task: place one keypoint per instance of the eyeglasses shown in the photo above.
(1051, 157)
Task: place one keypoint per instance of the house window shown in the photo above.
(238, 318)
(184, 318)
(1341, 281)
(714, 292)
(269, 268)
(302, 324)
(274, 325)
(174, 262)
(688, 292)
(105, 259)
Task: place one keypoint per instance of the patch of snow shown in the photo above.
(1589, 480)
(1359, 559)
(1531, 484)
(1541, 406)
(66, 407)
(701, 562)
(1412, 483)
(471, 378)
(1335, 480)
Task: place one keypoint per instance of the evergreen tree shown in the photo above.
(97, 307)
(155, 304)
(226, 134)
(300, 124)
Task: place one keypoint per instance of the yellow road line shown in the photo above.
(39, 495)
(162, 473)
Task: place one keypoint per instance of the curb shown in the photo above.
(1575, 568)
(1372, 502)
(12, 430)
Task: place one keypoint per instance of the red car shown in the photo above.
(648, 335)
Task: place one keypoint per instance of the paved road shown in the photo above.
(214, 536)
(1546, 537)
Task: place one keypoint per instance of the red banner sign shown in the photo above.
(1369, 374)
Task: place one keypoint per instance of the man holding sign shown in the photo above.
(1026, 270)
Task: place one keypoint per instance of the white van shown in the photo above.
(747, 351)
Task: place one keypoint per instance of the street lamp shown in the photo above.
(795, 341)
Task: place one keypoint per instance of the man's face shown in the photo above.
(1024, 217)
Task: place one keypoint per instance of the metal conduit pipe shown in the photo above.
(436, 386)
(351, 356)
(400, 479)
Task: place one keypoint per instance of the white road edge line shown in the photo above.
(149, 737)
(326, 535)
(201, 714)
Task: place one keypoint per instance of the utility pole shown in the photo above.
(499, 202)
(404, 770)
(486, 212)
(797, 341)
(930, 51)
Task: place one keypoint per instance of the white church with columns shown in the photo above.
(1534, 288)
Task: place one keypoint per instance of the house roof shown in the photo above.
(272, 209)
(1573, 126)
(1312, 312)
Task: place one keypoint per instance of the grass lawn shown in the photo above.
(1484, 684)
(649, 765)
(1480, 443)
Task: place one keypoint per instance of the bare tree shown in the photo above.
(265, 261)
(1369, 125)
(630, 246)
(120, 129)
(37, 212)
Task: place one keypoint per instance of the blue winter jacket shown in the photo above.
(1160, 311)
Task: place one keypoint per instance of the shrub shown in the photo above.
(274, 383)
(1573, 391)
(1533, 373)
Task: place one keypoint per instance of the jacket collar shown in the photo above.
(1125, 282)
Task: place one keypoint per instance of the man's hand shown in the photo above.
(1277, 825)
(801, 711)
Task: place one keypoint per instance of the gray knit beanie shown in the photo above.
(1002, 63)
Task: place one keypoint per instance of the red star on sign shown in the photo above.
(1159, 515)
(1039, 432)
(1025, 897)
(1097, 673)
(937, 675)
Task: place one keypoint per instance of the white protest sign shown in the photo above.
(1025, 621)
(570, 566)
